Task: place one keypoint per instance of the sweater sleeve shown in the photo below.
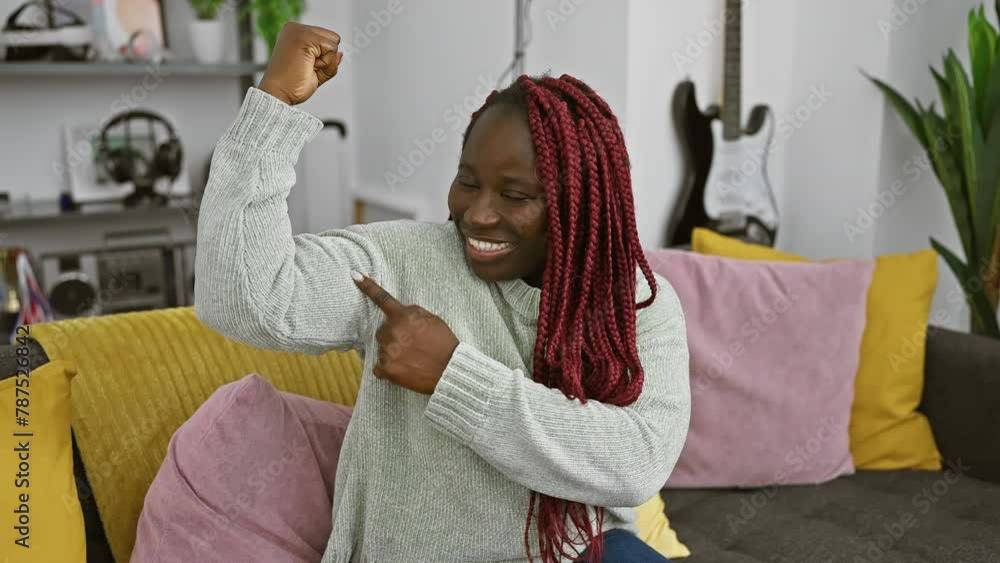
(595, 453)
(255, 282)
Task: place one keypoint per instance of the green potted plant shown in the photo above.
(963, 145)
(271, 15)
(207, 31)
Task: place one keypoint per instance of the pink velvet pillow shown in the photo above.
(774, 349)
(249, 477)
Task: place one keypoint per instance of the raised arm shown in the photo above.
(594, 453)
(254, 281)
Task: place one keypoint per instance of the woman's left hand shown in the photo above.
(414, 345)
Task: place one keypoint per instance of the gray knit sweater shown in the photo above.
(437, 478)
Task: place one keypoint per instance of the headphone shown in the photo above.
(120, 162)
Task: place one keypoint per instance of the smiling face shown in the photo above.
(497, 202)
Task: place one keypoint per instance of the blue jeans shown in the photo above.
(622, 546)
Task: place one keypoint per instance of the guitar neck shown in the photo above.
(731, 93)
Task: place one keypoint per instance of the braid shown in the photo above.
(585, 344)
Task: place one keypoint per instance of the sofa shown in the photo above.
(951, 515)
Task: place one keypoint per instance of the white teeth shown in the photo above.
(488, 246)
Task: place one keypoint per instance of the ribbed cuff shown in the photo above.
(459, 404)
(270, 124)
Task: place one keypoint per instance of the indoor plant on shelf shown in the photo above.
(271, 15)
(207, 31)
(964, 147)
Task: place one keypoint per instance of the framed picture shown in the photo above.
(125, 17)
(85, 170)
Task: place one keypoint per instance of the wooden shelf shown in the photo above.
(129, 69)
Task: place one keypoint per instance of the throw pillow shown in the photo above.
(142, 374)
(774, 350)
(200, 506)
(219, 497)
(38, 497)
(887, 431)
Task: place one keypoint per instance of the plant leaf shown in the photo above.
(988, 191)
(978, 304)
(982, 51)
(991, 99)
(946, 167)
(944, 90)
(970, 144)
(902, 107)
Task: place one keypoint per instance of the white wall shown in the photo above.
(564, 42)
(421, 72)
(326, 175)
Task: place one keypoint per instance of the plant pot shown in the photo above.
(208, 40)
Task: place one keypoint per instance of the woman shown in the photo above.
(521, 389)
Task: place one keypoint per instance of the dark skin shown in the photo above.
(495, 197)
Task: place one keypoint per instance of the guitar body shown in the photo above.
(694, 132)
(725, 186)
(738, 189)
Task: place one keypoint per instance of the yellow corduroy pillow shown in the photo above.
(43, 520)
(142, 374)
(886, 430)
(655, 530)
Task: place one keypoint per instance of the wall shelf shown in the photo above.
(129, 69)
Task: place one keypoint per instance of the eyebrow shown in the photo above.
(509, 177)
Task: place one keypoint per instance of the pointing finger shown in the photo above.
(379, 296)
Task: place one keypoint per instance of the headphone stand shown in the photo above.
(144, 196)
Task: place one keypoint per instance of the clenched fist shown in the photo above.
(304, 57)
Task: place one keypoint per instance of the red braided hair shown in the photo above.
(585, 345)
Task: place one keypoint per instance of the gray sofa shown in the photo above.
(952, 516)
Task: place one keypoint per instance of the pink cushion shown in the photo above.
(774, 349)
(249, 477)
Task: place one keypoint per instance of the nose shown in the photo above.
(482, 213)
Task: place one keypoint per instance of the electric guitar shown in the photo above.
(726, 187)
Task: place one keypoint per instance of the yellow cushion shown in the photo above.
(141, 375)
(886, 431)
(50, 509)
(654, 529)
